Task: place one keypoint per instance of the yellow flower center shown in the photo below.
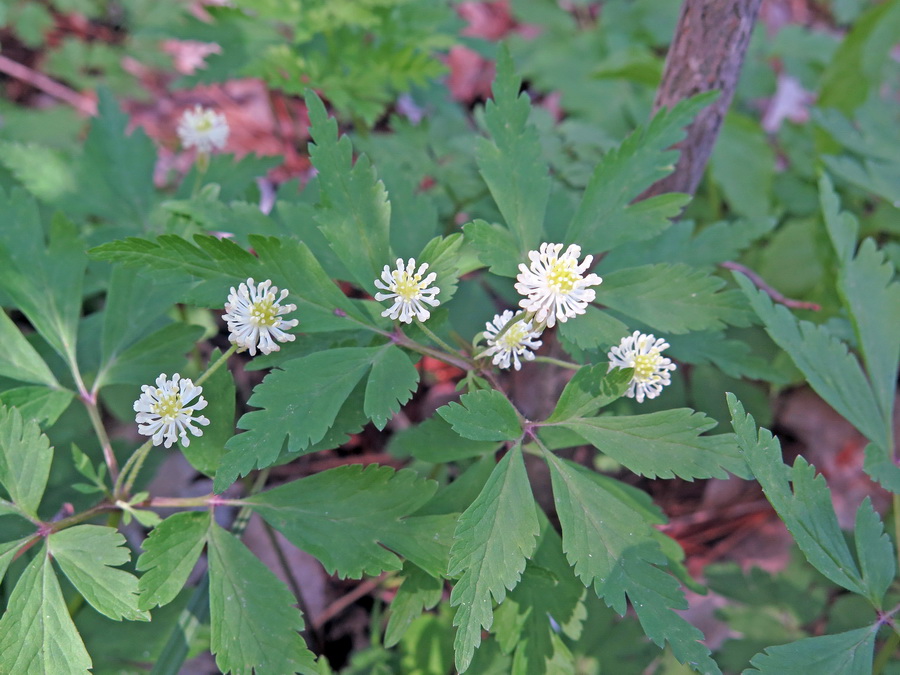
(407, 285)
(264, 313)
(562, 276)
(169, 405)
(205, 123)
(514, 336)
(645, 365)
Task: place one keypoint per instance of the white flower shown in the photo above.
(409, 291)
(651, 370)
(164, 413)
(253, 315)
(203, 128)
(556, 287)
(519, 340)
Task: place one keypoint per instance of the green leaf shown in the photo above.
(485, 415)
(391, 384)
(847, 653)
(300, 402)
(593, 329)
(435, 441)
(672, 298)
(807, 511)
(547, 596)
(45, 172)
(87, 555)
(495, 246)
(220, 263)
(163, 350)
(354, 210)
(589, 390)
(443, 255)
(614, 548)
(19, 360)
(418, 592)
(494, 537)
(25, 458)
(115, 173)
(875, 553)
(170, 553)
(424, 540)
(743, 164)
(732, 357)
(606, 218)
(857, 65)
(39, 404)
(205, 453)
(832, 372)
(664, 444)
(511, 162)
(253, 619)
(43, 279)
(340, 515)
(37, 635)
(8, 551)
(872, 298)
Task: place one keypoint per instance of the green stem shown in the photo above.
(215, 365)
(453, 359)
(129, 472)
(90, 402)
(557, 362)
(438, 341)
(58, 525)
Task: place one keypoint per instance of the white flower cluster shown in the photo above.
(164, 412)
(409, 290)
(651, 370)
(254, 317)
(203, 128)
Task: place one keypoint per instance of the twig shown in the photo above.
(762, 285)
(48, 85)
(345, 601)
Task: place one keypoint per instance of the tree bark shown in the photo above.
(706, 54)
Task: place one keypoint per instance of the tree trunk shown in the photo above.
(707, 53)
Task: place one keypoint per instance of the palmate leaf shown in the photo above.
(87, 555)
(614, 549)
(40, 404)
(594, 329)
(808, 513)
(673, 298)
(354, 210)
(115, 173)
(342, 514)
(8, 550)
(218, 264)
(391, 384)
(512, 162)
(37, 635)
(663, 444)
(871, 297)
(732, 357)
(435, 441)
(485, 415)
(170, 553)
(605, 219)
(494, 537)
(302, 400)
(834, 374)
(547, 596)
(42, 277)
(254, 624)
(847, 653)
(25, 458)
